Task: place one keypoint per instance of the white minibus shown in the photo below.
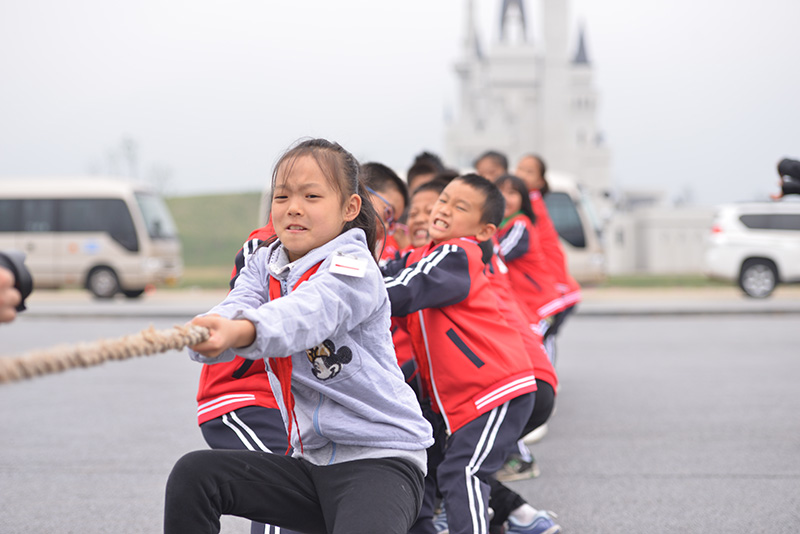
(573, 215)
(107, 235)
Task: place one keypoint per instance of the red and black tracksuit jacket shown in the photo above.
(228, 386)
(528, 268)
(551, 245)
(470, 359)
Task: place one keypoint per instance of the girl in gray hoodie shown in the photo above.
(314, 305)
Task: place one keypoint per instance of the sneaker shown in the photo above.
(536, 435)
(440, 522)
(542, 524)
(516, 468)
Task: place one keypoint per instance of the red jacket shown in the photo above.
(228, 386)
(530, 272)
(497, 272)
(551, 245)
(468, 355)
(402, 342)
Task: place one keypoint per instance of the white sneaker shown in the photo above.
(536, 434)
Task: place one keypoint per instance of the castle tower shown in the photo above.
(590, 155)
(500, 88)
(520, 96)
(555, 100)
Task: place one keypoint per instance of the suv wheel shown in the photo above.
(758, 278)
(103, 283)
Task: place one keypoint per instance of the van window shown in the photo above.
(38, 215)
(566, 218)
(771, 221)
(99, 215)
(156, 216)
(9, 215)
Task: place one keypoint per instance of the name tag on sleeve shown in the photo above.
(348, 265)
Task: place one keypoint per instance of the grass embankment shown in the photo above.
(212, 229)
(662, 280)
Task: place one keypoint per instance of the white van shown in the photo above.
(109, 236)
(756, 244)
(574, 218)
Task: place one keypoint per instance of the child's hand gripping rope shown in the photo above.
(223, 334)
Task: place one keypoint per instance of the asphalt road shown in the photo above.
(663, 424)
(674, 424)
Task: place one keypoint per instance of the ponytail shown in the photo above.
(367, 218)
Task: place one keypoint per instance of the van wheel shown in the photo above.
(758, 278)
(133, 293)
(103, 283)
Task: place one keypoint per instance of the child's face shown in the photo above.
(513, 200)
(489, 169)
(457, 213)
(419, 217)
(389, 205)
(531, 173)
(421, 179)
(306, 210)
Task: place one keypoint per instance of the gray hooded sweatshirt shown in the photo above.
(351, 401)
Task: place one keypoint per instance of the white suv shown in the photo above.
(756, 244)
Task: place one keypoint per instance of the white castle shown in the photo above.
(527, 95)
(535, 94)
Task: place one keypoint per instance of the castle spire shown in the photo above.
(506, 13)
(581, 57)
(472, 45)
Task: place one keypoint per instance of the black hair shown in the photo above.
(420, 168)
(380, 178)
(519, 186)
(495, 156)
(494, 204)
(543, 169)
(342, 170)
(435, 185)
(487, 252)
(447, 175)
(429, 158)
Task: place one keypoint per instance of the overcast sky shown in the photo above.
(695, 95)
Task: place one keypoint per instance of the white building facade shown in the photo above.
(658, 240)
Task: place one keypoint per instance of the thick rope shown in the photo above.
(63, 357)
